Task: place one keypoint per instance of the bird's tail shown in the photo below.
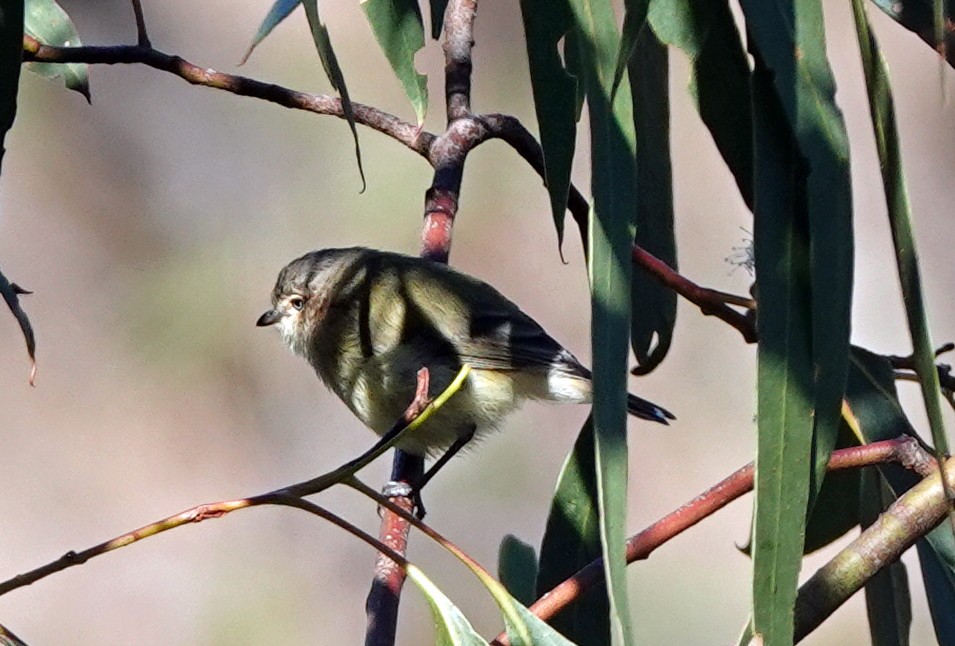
(644, 409)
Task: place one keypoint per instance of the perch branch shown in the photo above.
(904, 450)
(387, 124)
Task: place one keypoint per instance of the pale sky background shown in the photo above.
(151, 227)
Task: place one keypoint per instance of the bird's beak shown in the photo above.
(271, 317)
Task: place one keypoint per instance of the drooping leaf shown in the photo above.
(873, 402)
(888, 604)
(653, 306)
(517, 569)
(437, 16)
(11, 55)
(399, 29)
(613, 186)
(572, 540)
(323, 44)
(784, 374)
(451, 626)
(634, 21)
(279, 11)
(10, 293)
(787, 39)
(546, 22)
(46, 21)
(706, 32)
(882, 111)
(922, 18)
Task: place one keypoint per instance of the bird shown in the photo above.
(367, 320)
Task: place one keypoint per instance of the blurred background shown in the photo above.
(151, 226)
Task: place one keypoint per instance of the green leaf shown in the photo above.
(720, 77)
(787, 40)
(572, 540)
(882, 111)
(922, 18)
(46, 21)
(546, 22)
(452, 627)
(653, 306)
(437, 16)
(280, 11)
(888, 604)
(836, 508)
(784, 373)
(613, 185)
(634, 20)
(10, 293)
(399, 29)
(11, 55)
(523, 627)
(323, 44)
(873, 402)
(517, 569)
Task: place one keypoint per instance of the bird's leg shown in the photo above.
(453, 450)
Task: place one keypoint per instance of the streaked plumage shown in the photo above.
(367, 320)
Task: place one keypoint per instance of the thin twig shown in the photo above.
(141, 36)
(387, 124)
(904, 450)
(381, 605)
(458, 41)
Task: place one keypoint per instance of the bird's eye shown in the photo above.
(297, 302)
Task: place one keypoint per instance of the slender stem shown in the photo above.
(142, 38)
(387, 124)
(904, 450)
(459, 39)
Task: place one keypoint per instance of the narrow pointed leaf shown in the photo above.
(888, 604)
(451, 626)
(546, 22)
(46, 21)
(280, 11)
(10, 293)
(787, 39)
(572, 540)
(517, 569)
(653, 306)
(399, 29)
(784, 384)
(634, 21)
(437, 16)
(882, 110)
(873, 403)
(921, 17)
(836, 508)
(323, 44)
(706, 32)
(613, 185)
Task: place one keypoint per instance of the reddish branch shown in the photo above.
(904, 451)
(387, 124)
(447, 155)
(381, 605)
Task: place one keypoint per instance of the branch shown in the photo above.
(142, 38)
(904, 451)
(387, 124)
(912, 516)
(447, 156)
(459, 39)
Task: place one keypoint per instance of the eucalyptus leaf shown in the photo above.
(279, 11)
(572, 540)
(399, 30)
(546, 23)
(46, 21)
(451, 626)
(517, 569)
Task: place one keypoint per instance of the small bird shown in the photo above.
(368, 320)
